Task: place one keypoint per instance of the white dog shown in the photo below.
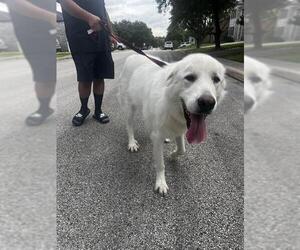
(174, 100)
(257, 84)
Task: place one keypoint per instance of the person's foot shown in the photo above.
(101, 117)
(80, 117)
(38, 117)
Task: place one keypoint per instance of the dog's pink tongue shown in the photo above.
(197, 131)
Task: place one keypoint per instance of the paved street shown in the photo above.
(105, 197)
(27, 166)
(272, 173)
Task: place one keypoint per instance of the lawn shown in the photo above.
(286, 51)
(8, 54)
(237, 56)
(230, 51)
(294, 57)
(60, 55)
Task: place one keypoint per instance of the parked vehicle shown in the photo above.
(184, 45)
(120, 46)
(3, 45)
(169, 45)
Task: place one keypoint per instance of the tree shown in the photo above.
(159, 41)
(255, 9)
(218, 9)
(136, 32)
(191, 15)
(296, 19)
(200, 16)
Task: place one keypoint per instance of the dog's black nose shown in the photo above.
(206, 103)
(248, 103)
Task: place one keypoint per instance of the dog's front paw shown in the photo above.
(175, 154)
(133, 146)
(161, 186)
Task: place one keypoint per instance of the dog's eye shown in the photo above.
(255, 79)
(216, 79)
(190, 78)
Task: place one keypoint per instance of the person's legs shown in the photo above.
(44, 93)
(84, 89)
(98, 88)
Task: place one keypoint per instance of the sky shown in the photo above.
(142, 10)
(132, 10)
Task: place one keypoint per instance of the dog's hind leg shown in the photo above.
(160, 183)
(180, 147)
(133, 145)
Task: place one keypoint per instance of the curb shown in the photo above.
(290, 75)
(235, 73)
(282, 69)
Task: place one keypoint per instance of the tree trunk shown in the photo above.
(218, 30)
(197, 43)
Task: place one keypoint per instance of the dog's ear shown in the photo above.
(170, 74)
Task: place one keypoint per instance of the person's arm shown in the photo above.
(110, 27)
(28, 9)
(75, 10)
(109, 24)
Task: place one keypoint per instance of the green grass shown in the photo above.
(10, 54)
(238, 57)
(60, 55)
(295, 57)
(231, 51)
(204, 47)
(19, 54)
(271, 46)
(281, 51)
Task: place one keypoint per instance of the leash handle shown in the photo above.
(128, 44)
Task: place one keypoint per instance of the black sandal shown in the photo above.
(37, 118)
(101, 117)
(79, 118)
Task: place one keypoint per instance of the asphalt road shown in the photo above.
(272, 170)
(105, 197)
(27, 166)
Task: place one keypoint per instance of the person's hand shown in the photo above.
(94, 22)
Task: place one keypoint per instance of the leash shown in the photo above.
(128, 44)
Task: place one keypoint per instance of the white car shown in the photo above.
(184, 45)
(120, 46)
(3, 45)
(168, 45)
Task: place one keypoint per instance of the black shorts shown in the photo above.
(94, 66)
(40, 52)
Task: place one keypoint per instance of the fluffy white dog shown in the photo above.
(257, 83)
(174, 100)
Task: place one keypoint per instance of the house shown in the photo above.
(286, 28)
(236, 27)
(9, 42)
